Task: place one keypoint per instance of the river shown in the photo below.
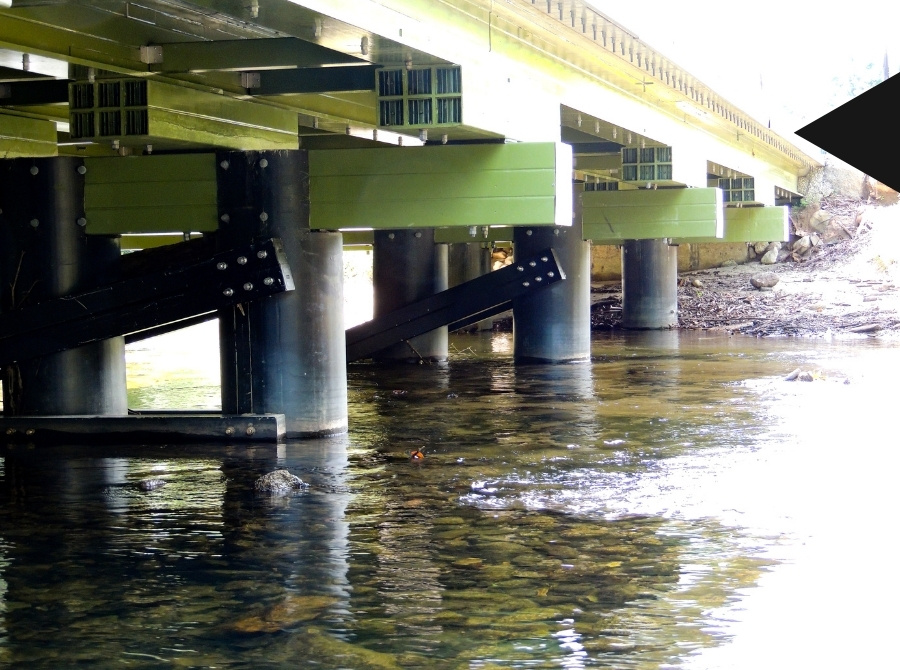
(672, 504)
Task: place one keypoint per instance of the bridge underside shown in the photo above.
(420, 129)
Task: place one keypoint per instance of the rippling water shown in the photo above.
(672, 504)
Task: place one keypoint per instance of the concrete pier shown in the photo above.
(469, 260)
(649, 285)
(45, 253)
(285, 354)
(408, 266)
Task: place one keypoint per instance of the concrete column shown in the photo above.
(649, 284)
(285, 354)
(408, 266)
(554, 325)
(45, 253)
(467, 261)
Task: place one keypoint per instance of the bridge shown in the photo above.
(240, 145)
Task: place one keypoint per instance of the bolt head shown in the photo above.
(261, 254)
(263, 217)
(33, 170)
(228, 292)
(221, 265)
(248, 286)
(229, 430)
(224, 165)
(251, 430)
(81, 169)
(263, 163)
(241, 260)
(34, 223)
(268, 281)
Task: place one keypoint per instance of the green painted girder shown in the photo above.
(315, 80)
(151, 194)
(751, 224)
(180, 115)
(441, 186)
(358, 238)
(23, 137)
(611, 217)
(254, 54)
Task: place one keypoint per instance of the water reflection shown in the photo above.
(673, 503)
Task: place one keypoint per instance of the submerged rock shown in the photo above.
(279, 482)
(151, 484)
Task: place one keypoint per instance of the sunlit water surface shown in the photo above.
(673, 504)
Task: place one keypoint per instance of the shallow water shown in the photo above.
(674, 503)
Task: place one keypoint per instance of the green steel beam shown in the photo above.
(151, 194)
(441, 186)
(235, 55)
(23, 137)
(613, 216)
(358, 238)
(315, 80)
(750, 224)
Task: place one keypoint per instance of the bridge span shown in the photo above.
(241, 145)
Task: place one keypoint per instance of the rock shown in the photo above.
(279, 482)
(730, 263)
(151, 484)
(760, 247)
(793, 375)
(783, 255)
(806, 377)
(696, 283)
(819, 221)
(802, 245)
(764, 281)
(770, 257)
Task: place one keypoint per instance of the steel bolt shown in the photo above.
(34, 223)
(241, 260)
(418, 234)
(224, 165)
(228, 292)
(229, 430)
(34, 169)
(525, 284)
(10, 431)
(268, 281)
(221, 265)
(538, 279)
(532, 263)
(81, 169)
(248, 286)
(263, 163)
(544, 259)
(556, 231)
(390, 236)
(551, 274)
(29, 431)
(263, 217)
(261, 254)
(81, 221)
(224, 218)
(251, 430)
(528, 232)
(520, 268)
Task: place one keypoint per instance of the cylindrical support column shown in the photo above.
(408, 266)
(649, 284)
(46, 254)
(554, 325)
(467, 261)
(285, 354)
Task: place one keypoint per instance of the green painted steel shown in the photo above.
(253, 54)
(613, 216)
(151, 194)
(751, 224)
(441, 186)
(22, 137)
(136, 112)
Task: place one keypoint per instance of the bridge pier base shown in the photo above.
(649, 285)
(408, 266)
(554, 326)
(285, 354)
(45, 253)
(469, 260)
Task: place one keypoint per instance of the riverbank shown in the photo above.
(848, 287)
